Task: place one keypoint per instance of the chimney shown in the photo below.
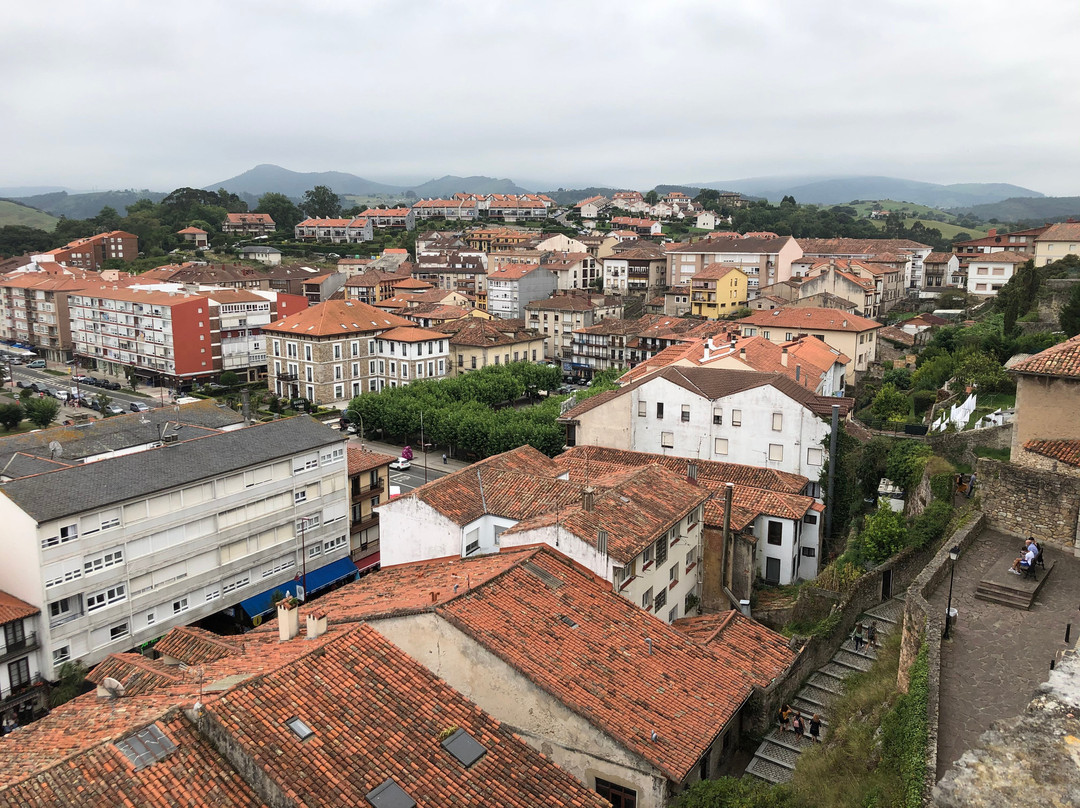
(691, 470)
(783, 357)
(288, 615)
(588, 498)
(316, 625)
(991, 232)
(742, 354)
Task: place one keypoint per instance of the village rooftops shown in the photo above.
(810, 319)
(1002, 257)
(1065, 451)
(734, 245)
(337, 317)
(1061, 361)
(858, 246)
(11, 608)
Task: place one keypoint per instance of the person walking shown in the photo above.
(871, 635)
(785, 717)
(797, 724)
(858, 638)
(815, 728)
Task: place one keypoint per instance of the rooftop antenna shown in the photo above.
(55, 450)
(114, 687)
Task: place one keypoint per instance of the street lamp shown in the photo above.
(954, 553)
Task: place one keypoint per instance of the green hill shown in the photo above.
(13, 213)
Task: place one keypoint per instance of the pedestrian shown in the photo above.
(784, 716)
(857, 637)
(815, 728)
(971, 485)
(871, 634)
(444, 458)
(797, 724)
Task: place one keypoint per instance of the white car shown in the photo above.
(401, 464)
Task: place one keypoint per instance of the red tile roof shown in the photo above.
(361, 460)
(1067, 451)
(714, 272)
(858, 246)
(758, 653)
(410, 333)
(1062, 361)
(1001, 257)
(335, 317)
(249, 218)
(810, 319)
(1062, 231)
(193, 646)
(11, 608)
(894, 334)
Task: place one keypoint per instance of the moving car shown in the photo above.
(401, 464)
(37, 363)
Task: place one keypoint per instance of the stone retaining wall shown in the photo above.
(1030, 502)
(958, 447)
(920, 621)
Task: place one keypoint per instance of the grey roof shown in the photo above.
(258, 248)
(88, 487)
(117, 433)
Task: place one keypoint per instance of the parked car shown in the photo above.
(79, 378)
(401, 464)
(138, 406)
(60, 395)
(94, 404)
(23, 383)
(114, 409)
(37, 363)
(108, 385)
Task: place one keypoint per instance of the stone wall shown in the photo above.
(1030, 502)
(958, 447)
(1054, 296)
(923, 623)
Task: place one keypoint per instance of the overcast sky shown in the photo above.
(108, 94)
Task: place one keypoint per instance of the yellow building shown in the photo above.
(717, 291)
(475, 343)
(1057, 241)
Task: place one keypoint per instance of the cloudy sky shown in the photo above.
(110, 94)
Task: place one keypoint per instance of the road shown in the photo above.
(123, 398)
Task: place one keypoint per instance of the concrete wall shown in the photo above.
(411, 530)
(1030, 502)
(544, 723)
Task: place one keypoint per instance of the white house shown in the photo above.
(405, 354)
(987, 273)
(735, 416)
(706, 220)
(22, 695)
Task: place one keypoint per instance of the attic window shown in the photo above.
(552, 581)
(299, 728)
(568, 620)
(146, 746)
(464, 747)
(389, 794)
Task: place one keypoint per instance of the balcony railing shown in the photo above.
(21, 692)
(364, 524)
(19, 647)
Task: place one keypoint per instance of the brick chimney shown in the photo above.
(991, 232)
(783, 356)
(588, 499)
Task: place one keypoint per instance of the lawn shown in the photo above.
(12, 213)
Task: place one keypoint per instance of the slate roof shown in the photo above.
(11, 608)
(83, 488)
(334, 317)
(1061, 361)
(1067, 451)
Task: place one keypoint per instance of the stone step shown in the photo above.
(807, 707)
(826, 682)
(853, 660)
(816, 695)
(778, 754)
(768, 771)
(890, 612)
(835, 670)
(1005, 599)
(790, 739)
(865, 650)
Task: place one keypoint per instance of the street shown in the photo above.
(414, 477)
(123, 398)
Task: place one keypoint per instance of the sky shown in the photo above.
(110, 94)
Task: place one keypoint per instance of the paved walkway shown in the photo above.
(997, 655)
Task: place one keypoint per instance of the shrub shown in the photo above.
(884, 535)
(840, 576)
(906, 462)
(942, 485)
(930, 525)
(904, 734)
(731, 792)
(922, 399)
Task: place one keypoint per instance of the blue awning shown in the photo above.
(316, 579)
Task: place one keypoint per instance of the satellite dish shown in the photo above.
(55, 449)
(115, 688)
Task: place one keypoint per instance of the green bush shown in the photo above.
(884, 535)
(930, 525)
(906, 462)
(731, 792)
(904, 734)
(923, 399)
(943, 485)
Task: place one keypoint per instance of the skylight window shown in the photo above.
(390, 795)
(299, 728)
(146, 746)
(568, 620)
(464, 747)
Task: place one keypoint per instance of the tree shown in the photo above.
(42, 411)
(883, 535)
(11, 416)
(132, 379)
(281, 209)
(652, 198)
(229, 378)
(103, 401)
(1070, 313)
(321, 203)
(890, 404)
(107, 219)
(16, 239)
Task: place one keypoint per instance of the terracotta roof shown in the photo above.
(894, 334)
(194, 646)
(1001, 257)
(138, 674)
(478, 333)
(11, 608)
(1062, 360)
(938, 258)
(810, 319)
(361, 460)
(1067, 451)
(858, 246)
(1062, 231)
(512, 272)
(564, 302)
(590, 199)
(411, 333)
(249, 218)
(733, 245)
(631, 221)
(337, 317)
(714, 272)
(599, 664)
(758, 653)
(192, 231)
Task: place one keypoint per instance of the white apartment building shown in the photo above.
(987, 273)
(118, 550)
(405, 354)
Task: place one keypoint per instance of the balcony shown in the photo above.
(11, 696)
(364, 524)
(288, 377)
(19, 648)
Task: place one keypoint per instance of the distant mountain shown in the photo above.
(32, 190)
(841, 190)
(1026, 210)
(85, 206)
(467, 185)
(265, 178)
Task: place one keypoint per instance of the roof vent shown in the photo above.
(464, 747)
(390, 795)
(691, 470)
(588, 499)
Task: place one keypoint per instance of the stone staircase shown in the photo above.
(775, 759)
(1007, 589)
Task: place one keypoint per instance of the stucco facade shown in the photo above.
(1046, 408)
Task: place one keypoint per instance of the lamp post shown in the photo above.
(423, 445)
(954, 553)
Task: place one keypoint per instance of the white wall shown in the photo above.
(411, 530)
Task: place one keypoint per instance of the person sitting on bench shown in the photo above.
(1023, 564)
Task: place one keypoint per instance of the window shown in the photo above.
(813, 457)
(19, 673)
(180, 606)
(809, 552)
(775, 532)
(777, 421)
(691, 560)
(61, 655)
(685, 412)
(119, 631)
(646, 599)
(660, 601)
(647, 557)
(107, 597)
(103, 562)
(673, 615)
(661, 550)
(720, 446)
(736, 417)
(299, 496)
(810, 518)
(659, 409)
(375, 501)
(315, 550)
(667, 439)
(59, 609)
(718, 417)
(776, 452)
(673, 575)
(642, 409)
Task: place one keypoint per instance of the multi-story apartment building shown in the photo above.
(592, 207)
(172, 337)
(456, 270)
(993, 241)
(22, 691)
(718, 291)
(1055, 242)
(764, 259)
(572, 270)
(512, 286)
(850, 279)
(407, 353)
(391, 217)
(636, 270)
(476, 343)
(323, 353)
(987, 273)
(34, 310)
(248, 224)
(336, 231)
(180, 531)
(909, 254)
(369, 487)
(451, 209)
(624, 343)
(500, 239)
(559, 315)
(91, 252)
(511, 208)
(941, 271)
